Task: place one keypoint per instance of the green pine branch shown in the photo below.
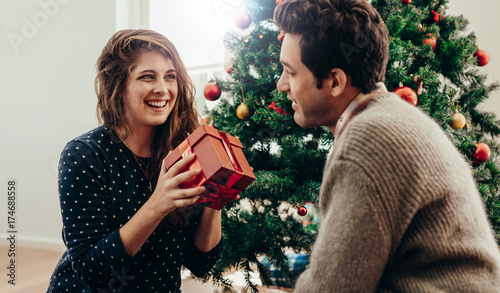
(288, 160)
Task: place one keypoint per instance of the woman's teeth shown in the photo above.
(156, 103)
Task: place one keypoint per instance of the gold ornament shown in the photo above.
(457, 121)
(243, 112)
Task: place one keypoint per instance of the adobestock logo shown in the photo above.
(222, 7)
(31, 26)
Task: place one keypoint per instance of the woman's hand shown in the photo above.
(166, 198)
(167, 195)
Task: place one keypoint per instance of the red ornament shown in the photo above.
(407, 1)
(302, 211)
(211, 91)
(483, 57)
(229, 70)
(279, 2)
(243, 20)
(482, 153)
(281, 36)
(431, 40)
(407, 94)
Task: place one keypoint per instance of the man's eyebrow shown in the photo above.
(287, 64)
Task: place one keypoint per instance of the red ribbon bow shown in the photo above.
(437, 16)
(277, 109)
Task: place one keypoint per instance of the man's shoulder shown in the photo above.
(391, 124)
(390, 113)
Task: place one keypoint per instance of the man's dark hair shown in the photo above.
(345, 34)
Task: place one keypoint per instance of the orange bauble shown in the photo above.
(430, 40)
(407, 94)
(482, 153)
(483, 57)
(302, 211)
(281, 36)
(243, 20)
(211, 91)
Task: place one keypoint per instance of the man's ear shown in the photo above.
(338, 81)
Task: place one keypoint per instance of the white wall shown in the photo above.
(48, 50)
(484, 22)
(47, 95)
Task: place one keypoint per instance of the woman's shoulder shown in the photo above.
(92, 141)
(99, 134)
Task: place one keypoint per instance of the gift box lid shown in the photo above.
(206, 142)
(220, 155)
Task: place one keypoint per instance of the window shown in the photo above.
(197, 29)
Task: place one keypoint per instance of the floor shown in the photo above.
(34, 268)
(32, 271)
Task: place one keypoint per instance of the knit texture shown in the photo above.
(101, 187)
(400, 211)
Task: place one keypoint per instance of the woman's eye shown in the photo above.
(147, 76)
(171, 76)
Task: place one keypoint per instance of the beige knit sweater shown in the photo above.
(400, 211)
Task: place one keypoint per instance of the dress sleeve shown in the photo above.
(96, 252)
(353, 243)
(197, 261)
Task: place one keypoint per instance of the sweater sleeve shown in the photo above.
(352, 246)
(96, 252)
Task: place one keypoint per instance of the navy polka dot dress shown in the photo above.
(101, 186)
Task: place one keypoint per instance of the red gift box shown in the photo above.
(225, 170)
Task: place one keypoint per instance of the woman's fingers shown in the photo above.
(188, 196)
(164, 167)
(177, 167)
(185, 176)
(179, 177)
(189, 192)
(170, 180)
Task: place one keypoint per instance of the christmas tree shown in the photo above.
(433, 64)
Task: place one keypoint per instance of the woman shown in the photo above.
(121, 234)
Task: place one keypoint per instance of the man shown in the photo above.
(399, 208)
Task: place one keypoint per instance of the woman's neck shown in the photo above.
(139, 141)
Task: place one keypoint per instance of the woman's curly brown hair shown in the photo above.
(113, 69)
